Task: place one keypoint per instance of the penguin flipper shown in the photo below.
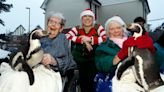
(129, 61)
(29, 71)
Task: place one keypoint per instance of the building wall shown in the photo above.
(127, 10)
(71, 9)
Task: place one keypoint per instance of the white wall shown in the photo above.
(70, 8)
(128, 11)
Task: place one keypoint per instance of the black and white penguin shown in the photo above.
(28, 55)
(18, 62)
(31, 52)
(145, 69)
(35, 53)
(136, 31)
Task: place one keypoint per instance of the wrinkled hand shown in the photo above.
(85, 38)
(116, 60)
(88, 46)
(48, 60)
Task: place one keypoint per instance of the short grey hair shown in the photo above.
(116, 19)
(58, 15)
(111, 22)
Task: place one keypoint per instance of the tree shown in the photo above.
(4, 8)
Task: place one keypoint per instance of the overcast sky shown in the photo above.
(156, 15)
(19, 14)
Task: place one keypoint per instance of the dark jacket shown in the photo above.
(104, 55)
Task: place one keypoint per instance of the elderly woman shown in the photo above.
(105, 53)
(116, 35)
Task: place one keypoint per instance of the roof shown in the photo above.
(96, 2)
(43, 6)
(20, 29)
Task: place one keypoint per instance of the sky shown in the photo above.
(156, 16)
(20, 15)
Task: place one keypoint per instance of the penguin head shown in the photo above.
(33, 35)
(136, 29)
(35, 52)
(34, 40)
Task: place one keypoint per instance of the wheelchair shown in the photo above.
(71, 83)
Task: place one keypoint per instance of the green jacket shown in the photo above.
(104, 55)
(159, 56)
(81, 54)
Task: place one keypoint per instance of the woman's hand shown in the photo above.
(88, 46)
(48, 60)
(85, 39)
(116, 60)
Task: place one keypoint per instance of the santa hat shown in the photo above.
(87, 12)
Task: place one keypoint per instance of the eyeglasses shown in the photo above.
(51, 22)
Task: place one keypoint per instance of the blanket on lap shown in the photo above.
(46, 80)
(127, 83)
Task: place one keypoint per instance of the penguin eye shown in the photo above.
(136, 29)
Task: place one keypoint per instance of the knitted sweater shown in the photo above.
(143, 41)
(79, 50)
(98, 35)
(58, 48)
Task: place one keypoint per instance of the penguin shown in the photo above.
(147, 72)
(35, 52)
(27, 56)
(145, 69)
(31, 52)
(18, 62)
(136, 31)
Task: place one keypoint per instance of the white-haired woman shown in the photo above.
(56, 46)
(55, 40)
(116, 35)
(116, 32)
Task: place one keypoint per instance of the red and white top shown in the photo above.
(97, 35)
